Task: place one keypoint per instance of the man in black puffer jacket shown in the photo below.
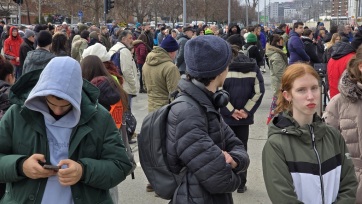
(197, 137)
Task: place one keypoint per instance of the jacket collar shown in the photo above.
(285, 124)
(187, 87)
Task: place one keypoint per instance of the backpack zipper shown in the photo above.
(319, 161)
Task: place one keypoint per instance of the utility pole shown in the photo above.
(247, 12)
(229, 10)
(39, 12)
(184, 13)
(264, 12)
(258, 13)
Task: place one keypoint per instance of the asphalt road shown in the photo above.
(134, 191)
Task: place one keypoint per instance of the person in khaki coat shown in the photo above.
(79, 44)
(344, 112)
(160, 74)
(278, 62)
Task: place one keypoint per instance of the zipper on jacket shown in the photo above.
(319, 161)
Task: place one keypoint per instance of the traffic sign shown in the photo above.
(80, 13)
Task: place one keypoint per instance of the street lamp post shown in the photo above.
(264, 12)
(247, 12)
(229, 10)
(39, 12)
(184, 13)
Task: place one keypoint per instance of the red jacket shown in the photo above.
(12, 46)
(141, 52)
(335, 68)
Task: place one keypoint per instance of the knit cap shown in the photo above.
(98, 50)
(169, 44)
(209, 32)
(251, 38)
(207, 56)
(28, 33)
(236, 39)
(44, 38)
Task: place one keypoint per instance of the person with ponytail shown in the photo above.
(278, 62)
(344, 112)
(304, 159)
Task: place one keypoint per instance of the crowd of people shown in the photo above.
(71, 91)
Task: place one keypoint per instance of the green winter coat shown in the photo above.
(295, 172)
(278, 62)
(95, 143)
(160, 78)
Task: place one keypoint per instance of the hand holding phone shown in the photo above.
(33, 168)
(51, 167)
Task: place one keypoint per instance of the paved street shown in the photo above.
(134, 191)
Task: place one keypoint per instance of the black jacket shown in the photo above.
(357, 40)
(25, 47)
(4, 98)
(245, 85)
(108, 92)
(255, 53)
(341, 49)
(311, 50)
(198, 145)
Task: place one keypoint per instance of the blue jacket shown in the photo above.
(296, 49)
(245, 85)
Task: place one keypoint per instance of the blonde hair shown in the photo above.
(292, 73)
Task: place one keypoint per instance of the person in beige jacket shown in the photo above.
(344, 112)
(128, 65)
(79, 44)
(160, 74)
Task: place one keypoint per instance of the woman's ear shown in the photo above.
(287, 96)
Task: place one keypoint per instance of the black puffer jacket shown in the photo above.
(311, 50)
(198, 145)
(341, 49)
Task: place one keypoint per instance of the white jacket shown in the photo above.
(129, 69)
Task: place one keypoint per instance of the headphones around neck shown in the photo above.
(220, 98)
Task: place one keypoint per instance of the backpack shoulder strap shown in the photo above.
(120, 49)
(186, 98)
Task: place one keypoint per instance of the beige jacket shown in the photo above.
(160, 78)
(129, 69)
(78, 46)
(344, 112)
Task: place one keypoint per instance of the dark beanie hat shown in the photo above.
(236, 39)
(44, 38)
(251, 38)
(207, 56)
(169, 44)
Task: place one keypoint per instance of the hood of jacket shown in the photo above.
(137, 42)
(75, 39)
(109, 94)
(62, 77)
(285, 125)
(40, 56)
(341, 49)
(157, 56)
(182, 35)
(279, 31)
(271, 50)
(242, 63)
(349, 89)
(237, 27)
(292, 33)
(306, 39)
(11, 34)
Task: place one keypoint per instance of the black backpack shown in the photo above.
(152, 150)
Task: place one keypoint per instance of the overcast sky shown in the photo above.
(261, 5)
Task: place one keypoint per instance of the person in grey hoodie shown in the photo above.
(59, 123)
(39, 58)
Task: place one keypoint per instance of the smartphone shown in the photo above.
(51, 167)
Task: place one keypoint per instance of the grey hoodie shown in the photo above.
(62, 77)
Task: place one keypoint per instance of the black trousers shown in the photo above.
(242, 132)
